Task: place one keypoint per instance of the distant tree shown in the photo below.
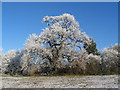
(93, 64)
(110, 59)
(6, 59)
(91, 48)
(14, 66)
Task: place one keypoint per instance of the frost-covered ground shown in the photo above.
(108, 81)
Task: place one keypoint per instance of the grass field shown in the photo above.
(68, 81)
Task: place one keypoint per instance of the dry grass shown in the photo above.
(70, 81)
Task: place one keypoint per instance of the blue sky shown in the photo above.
(98, 20)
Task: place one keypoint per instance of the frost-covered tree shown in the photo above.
(93, 64)
(14, 66)
(6, 59)
(11, 62)
(110, 59)
(29, 63)
(59, 39)
(91, 48)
